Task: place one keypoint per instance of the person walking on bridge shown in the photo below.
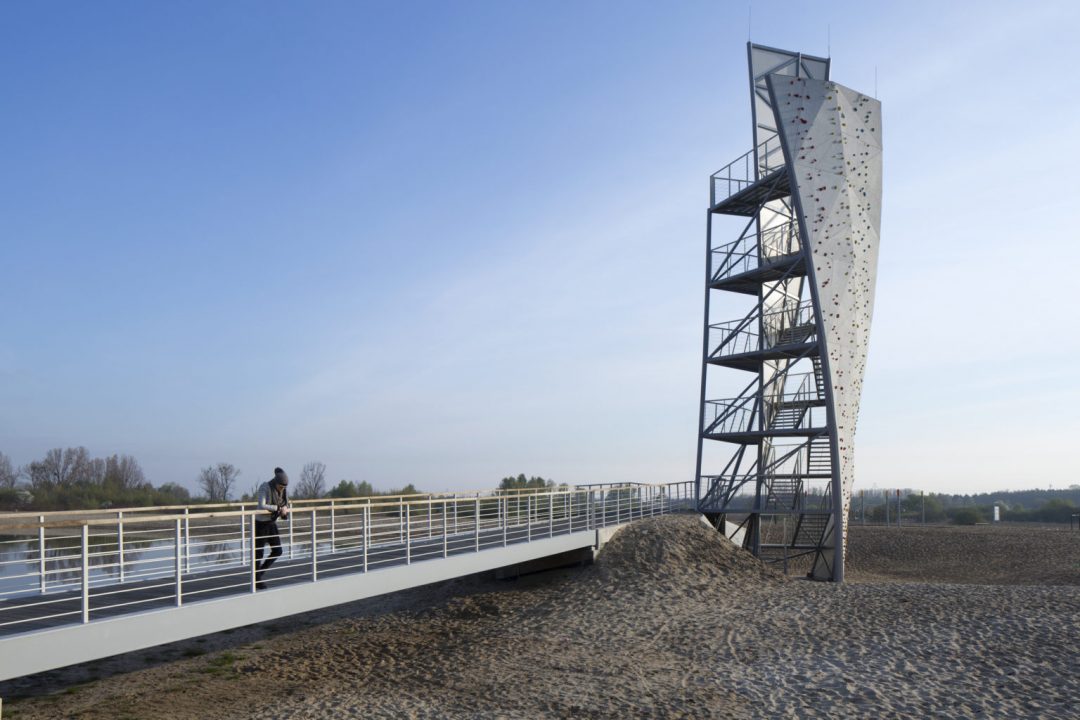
(273, 504)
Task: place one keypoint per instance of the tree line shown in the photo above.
(72, 479)
(1051, 506)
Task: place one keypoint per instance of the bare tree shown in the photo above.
(209, 484)
(62, 468)
(312, 481)
(217, 481)
(8, 474)
(123, 472)
(227, 475)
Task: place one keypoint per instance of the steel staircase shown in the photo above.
(819, 376)
(810, 531)
(789, 415)
(796, 334)
(783, 493)
(819, 456)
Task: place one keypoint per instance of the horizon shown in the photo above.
(439, 246)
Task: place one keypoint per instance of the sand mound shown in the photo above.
(679, 547)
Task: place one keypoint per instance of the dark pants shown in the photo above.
(266, 533)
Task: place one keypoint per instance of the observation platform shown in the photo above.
(750, 281)
(747, 200)
(751, 360)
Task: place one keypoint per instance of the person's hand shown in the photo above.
(284, 511)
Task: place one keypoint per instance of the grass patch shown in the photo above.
(221, 664)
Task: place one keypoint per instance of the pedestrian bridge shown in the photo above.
(79, 586)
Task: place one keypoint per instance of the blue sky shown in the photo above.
(444, 242)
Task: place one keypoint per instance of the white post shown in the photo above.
(528, 515)
(187, 541)
(314, 547)
(120, 541)
(503, 510)
(551, 514)
(41, 552)
(292, 554)
(179, 569)
(365, 517)
(333, 528)
(253, 559)
(85, 573)
(429, 517)
(243, 538)
(478, 522)
(401, 521)
(408, 535)
(446, 527)
(455, 513)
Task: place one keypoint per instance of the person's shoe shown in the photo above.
(260, 585)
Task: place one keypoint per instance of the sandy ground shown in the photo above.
(672, 621)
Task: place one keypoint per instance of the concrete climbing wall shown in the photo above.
(832, 141)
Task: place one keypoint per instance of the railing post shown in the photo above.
(570, 513)
(366, 519)
(85, 573)
(477, 522)
(333, 527)
(401, 521)
(291, 552)
(446, 527)
(120, 541)
(429, 499)
(243, 538)
(252, 559)
(408, 535)
(179, 568)
(551, 513)
(455, 513)
(314, 546)
(41, 552)
(528, 515)
(505, 521)
(187, 540)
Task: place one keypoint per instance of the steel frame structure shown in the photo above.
(809, 191)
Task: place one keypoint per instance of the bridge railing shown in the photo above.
(57, 571)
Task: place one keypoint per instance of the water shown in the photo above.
(147, 555)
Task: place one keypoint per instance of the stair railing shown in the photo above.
(753, 249)
(780, 241)
(736, 257)
(732, 414)
(737, 337)
(779, 321)
(741, 172)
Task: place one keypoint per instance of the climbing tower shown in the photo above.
(780, 384)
